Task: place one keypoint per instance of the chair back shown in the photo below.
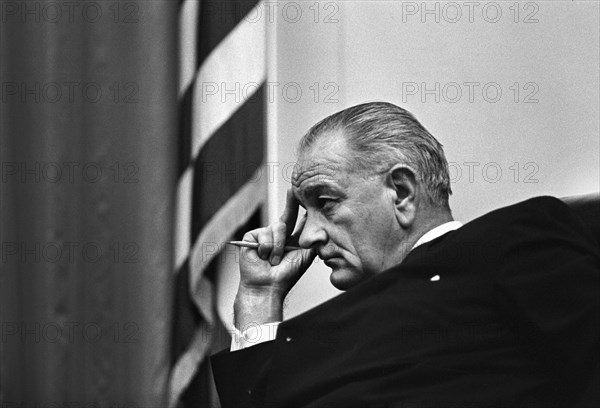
(588, 208)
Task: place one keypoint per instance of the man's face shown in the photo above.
(350, 218)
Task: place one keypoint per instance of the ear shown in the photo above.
(403, 180)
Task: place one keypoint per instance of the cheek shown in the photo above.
(370, 251)
(377, 222)
(363, 229)
(374, 237)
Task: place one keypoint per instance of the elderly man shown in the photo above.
(502, 311)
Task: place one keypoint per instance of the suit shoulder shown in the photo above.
(531, 209)
(548, 203)
(537, 216)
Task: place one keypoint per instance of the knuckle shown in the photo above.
(263, 234)
(266, 245)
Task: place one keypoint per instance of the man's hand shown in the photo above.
(268, 273)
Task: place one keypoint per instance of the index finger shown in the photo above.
(290, 213)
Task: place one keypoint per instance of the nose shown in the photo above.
(314, 232)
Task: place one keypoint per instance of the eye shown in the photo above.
(326, 203)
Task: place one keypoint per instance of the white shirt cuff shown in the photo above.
(253, 334)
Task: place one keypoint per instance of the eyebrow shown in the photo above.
(319, 188)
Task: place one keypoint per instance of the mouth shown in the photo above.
(333, 262)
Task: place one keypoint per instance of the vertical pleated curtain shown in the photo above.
(88, 151)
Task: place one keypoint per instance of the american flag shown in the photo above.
(220, 186)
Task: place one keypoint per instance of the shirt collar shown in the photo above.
(438, 232)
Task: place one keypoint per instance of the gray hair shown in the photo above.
(381, 134)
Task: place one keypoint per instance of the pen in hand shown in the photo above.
(246, 244)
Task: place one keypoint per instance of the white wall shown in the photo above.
(389, 50)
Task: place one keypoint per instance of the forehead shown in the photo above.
(325, 163)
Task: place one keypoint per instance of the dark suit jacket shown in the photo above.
(513, 321)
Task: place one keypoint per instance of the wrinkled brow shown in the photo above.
(319, 169)
(316, 189)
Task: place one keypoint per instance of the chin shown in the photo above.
(344, 279)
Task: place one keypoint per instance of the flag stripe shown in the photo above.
(185, 129)
(228, 77)
(221, 152)
(187, 365)
(186, 316)
(219, 18)
(188, 49)
(227, 161)
(183, 218)
(230, 216)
